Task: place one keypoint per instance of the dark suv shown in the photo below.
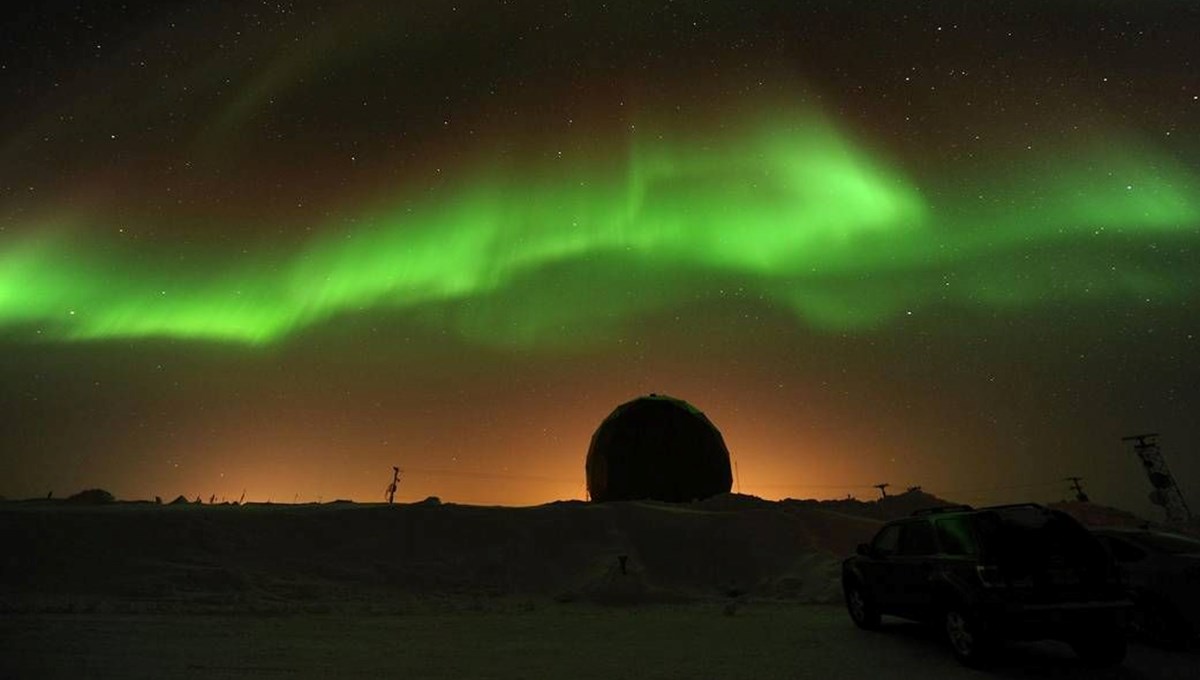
(985, 575)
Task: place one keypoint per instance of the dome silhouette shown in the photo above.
(658, 448)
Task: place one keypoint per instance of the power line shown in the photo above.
(921, 487)
(441, 472)
(486, 475)
(1000, 488)
(814, 486)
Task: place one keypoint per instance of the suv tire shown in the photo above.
(971, 644)
(862, 610)
(1159, 623)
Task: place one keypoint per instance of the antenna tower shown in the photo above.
(1166, 492)
(1075, 484)
(391, 490)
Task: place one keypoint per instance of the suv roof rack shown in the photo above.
(1015, 505)
(940, 509)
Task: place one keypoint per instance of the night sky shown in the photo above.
(281, 247)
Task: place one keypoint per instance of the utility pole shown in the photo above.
(737, 479)
(391, 490)
(1165, 492)
(1079, 494)
(882, 489)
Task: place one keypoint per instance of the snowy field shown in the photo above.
(733, 587)
(524, 639)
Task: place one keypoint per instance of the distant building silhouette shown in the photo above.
(660, 448)
(91, 497)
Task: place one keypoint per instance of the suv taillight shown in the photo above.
(989, 576)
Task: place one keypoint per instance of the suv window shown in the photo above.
(1122, 550)
(1034, 538)
(916, 538)
(955, 536)
(887, 540)
(1171, 544)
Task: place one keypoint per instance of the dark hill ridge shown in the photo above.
(147, 555)
(1092, 514)
(891, 507)
(143, 556)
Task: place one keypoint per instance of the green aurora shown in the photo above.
(789, 212)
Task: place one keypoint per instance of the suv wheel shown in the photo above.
(1159, 623)
(971, 644)
(863, 612)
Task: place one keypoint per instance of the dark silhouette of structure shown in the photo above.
(391, 490)
(882, 489)
(92, 497)
(1078, 488)
(1166, 491)
(657, 448)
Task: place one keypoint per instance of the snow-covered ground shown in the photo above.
(525, 639)
(726, 588)
(130, 558)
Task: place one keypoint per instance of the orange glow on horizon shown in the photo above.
(285, 472)
(522, 457)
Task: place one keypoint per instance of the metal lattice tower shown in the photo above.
(390, 494)
(1078, 488)
(1166, 492)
